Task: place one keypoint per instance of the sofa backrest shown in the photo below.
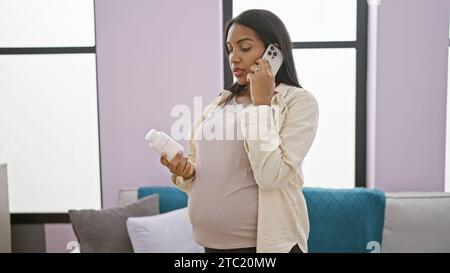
(417, 222)
(341, 220)
(345, 220)
(170, 198)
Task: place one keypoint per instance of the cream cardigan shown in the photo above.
(276, 156)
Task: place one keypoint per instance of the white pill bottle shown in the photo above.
(161, 142)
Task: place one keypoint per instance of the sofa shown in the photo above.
(355, 220)
(5, 220)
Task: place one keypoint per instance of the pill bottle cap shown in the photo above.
(151, 136)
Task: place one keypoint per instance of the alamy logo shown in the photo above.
(255, 123)
(373, 247)
(73, 247)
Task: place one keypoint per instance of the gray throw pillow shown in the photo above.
(105, 230)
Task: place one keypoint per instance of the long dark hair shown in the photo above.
(270, 29)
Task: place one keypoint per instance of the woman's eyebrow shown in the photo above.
(241, 40)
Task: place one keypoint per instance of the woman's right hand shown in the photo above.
(179, 165)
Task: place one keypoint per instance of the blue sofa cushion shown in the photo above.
(170, 198)
(344, 220)
(341, 220)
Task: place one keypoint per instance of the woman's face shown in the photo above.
(244, 47)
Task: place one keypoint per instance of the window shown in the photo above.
(46, 23)
(329, 41)
(48, 107)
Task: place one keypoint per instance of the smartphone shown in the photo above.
(274, 56)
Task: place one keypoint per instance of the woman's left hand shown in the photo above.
(262, 83)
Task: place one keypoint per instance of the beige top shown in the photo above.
(223, 201)
(276, 158)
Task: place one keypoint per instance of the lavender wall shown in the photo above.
(151, 56)
(411, 84)
(57, 237)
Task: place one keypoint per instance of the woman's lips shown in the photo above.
(238, 73)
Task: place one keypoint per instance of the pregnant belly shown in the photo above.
(223, 212)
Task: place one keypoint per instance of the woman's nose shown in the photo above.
(234, 58)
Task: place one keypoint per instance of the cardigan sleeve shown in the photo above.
(277, 151)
